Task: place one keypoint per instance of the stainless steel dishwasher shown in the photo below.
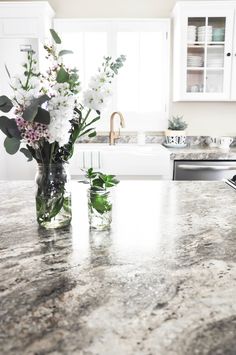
(204, 169)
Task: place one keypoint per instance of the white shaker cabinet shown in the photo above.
(23, 25)
(204, 45)
(21, 19)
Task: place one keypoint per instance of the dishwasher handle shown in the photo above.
(205, 167)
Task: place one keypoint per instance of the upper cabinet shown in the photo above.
(21, 19)
(204, 58)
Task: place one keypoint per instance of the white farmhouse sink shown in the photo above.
(122, 159)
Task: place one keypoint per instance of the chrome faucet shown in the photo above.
(115, 135)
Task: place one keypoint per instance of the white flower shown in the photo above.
(98, 81)
(95, 100)
(61, 107)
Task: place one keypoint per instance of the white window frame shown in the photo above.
(111, 26)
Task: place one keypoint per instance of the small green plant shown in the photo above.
(99, 190)
(176, 123)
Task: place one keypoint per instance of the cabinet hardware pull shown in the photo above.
(99, 160)
(228, 54)
(205, 167)
(83, 161)
(91, 159)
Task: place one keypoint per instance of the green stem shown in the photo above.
(87, 114)
(51, 154)
(29, 70)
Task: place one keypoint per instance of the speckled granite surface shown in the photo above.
(196, 147)
(202, 153)
(162, 282)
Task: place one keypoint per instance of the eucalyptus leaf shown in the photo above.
(5, 104)
(42, 116)
(62, 76)
(32, 110)
(9, 127)
(11, 145)
(13, 129)
(55, 36)
(64, 52)
(27, 153)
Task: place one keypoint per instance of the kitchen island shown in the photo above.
(161, 282)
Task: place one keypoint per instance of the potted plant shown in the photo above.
(175, 134)
(99, 199)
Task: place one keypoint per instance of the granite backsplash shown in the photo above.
(150, 137)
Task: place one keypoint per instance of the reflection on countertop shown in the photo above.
(162, 281)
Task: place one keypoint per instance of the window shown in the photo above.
(141, 90)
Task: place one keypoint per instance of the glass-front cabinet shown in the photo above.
(203, 51)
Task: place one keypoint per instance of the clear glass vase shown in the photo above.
(99, 209)
(53, 196)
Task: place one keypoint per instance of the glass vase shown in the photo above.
(99, 209)
(53, 196)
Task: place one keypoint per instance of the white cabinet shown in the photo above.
(25, 19)
(204, 61)
(122, 160)
(22, 24)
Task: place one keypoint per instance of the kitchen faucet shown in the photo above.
(115, 135)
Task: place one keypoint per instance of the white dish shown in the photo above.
(167, 145)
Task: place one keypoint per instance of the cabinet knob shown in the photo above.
(228, 54)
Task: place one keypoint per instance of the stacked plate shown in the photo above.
(215, 61)
(204, 33)
(192, 34)
(194, 61)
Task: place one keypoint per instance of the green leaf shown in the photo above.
(93, 134)
(91, 122)
(86, 132)
(98, 182)
(5, 104)
(100, 203)
(27, 153)
(55, 36)
(32, 110)
(13, 129)
(64, 52)
(11, 145)
(42, 116)
(9, 127)
(62, 76)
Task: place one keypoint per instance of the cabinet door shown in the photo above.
(83, 160)
(207, 36)
(233, 77)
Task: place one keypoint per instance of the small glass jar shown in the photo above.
(53, 196)
(99, 209)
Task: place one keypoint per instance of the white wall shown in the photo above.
(203, 118)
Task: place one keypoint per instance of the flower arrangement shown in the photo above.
(48, 111)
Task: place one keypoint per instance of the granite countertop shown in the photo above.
(162, 282)
(202, 153)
